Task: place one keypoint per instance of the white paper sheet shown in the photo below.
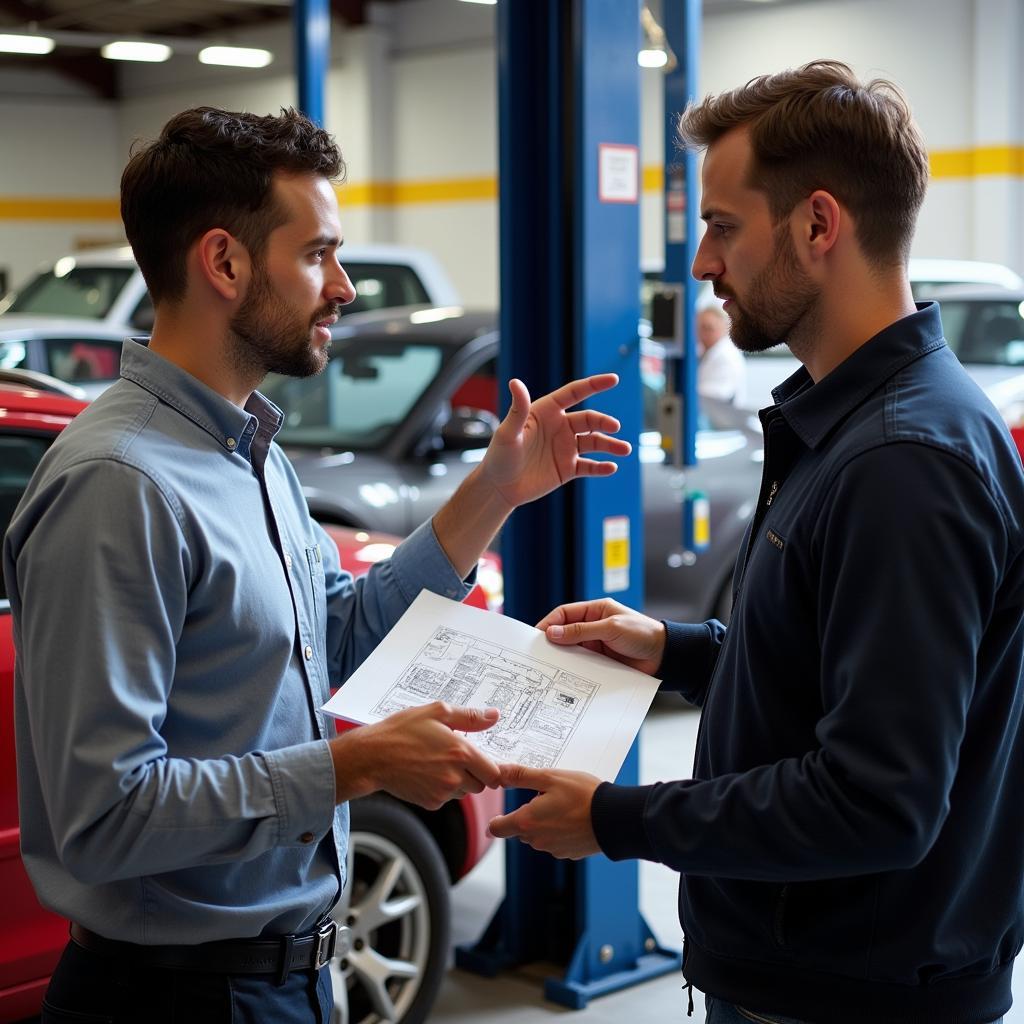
(561, 707)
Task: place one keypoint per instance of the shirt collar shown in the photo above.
(812, 410)
(233, 428)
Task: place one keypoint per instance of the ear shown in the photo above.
(223, 263)
(820, 222)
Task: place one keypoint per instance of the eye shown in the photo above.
(721, 230)
(319, 255)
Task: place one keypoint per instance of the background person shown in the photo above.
(849, 845)
(722, 369)
(179, 619)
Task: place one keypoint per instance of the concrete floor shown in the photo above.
(666, 752)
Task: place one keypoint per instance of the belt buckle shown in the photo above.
(326, 941)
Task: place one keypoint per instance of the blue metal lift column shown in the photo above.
(569, 106)
(312, 26)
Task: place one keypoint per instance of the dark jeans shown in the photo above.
(87, 988)
(726, 1013)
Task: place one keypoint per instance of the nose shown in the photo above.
(339, 286)
(706, 265)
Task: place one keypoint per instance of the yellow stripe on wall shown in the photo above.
(53, 208)
(946, 164)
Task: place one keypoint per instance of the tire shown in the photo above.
(397, 906)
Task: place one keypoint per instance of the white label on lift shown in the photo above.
(616, 554)
(618, 173)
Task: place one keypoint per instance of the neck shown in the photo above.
(846, 317)
(201, 347)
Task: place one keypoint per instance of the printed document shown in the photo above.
(561, 707)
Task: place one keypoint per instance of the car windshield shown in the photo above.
(365, 392)
(81, 291)
(988, 331)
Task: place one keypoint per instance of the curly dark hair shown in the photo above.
(818, 126)
(214, 168)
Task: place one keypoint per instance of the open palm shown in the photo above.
(541, 445)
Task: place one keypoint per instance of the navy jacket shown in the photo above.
(852, 841)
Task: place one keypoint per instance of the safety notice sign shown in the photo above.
(616, 554)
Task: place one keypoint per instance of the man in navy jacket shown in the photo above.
(850, 845)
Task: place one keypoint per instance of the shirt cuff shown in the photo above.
(419, 563)
(304, 788)
(617, 817)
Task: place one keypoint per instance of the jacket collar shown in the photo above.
(813, 410)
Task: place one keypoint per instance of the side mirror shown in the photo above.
(468, 428)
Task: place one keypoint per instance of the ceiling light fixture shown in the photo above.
(26, 44)
(656, 52)
(126, 49)
(489, 3)
(235, 56)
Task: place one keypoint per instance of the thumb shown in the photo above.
(519, 776)
(581, 632)
(470, 719)
(519, 411)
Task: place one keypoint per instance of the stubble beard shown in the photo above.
(781, 305)
(267, 335)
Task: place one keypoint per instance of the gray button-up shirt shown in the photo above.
(179, 620)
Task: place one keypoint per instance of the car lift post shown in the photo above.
(311, 20)
(569, 105)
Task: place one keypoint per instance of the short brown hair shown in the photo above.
(214, 168)
(818, 127)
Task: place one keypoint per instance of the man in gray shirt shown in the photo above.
(179, 619)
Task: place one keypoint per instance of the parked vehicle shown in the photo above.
(106, 284)
(407, 405)
(402, 859)
(81, 352)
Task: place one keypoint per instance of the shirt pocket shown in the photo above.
(318, 589)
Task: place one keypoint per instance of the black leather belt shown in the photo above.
(279, 956)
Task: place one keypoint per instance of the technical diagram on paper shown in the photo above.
(560, 707)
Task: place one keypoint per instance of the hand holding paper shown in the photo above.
(557, 820)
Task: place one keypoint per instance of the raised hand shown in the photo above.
(557, 820)
(541, 445)
(609, 628)
(416, 755)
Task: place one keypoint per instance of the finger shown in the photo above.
(505, 826)
(468, 719)
(575, 611)
(577, 391)
(519, 776)
(519, 411)
(471, 784)
(591, 419)
(581, 632)
(481, 768)
(602, 443)
(588, 467)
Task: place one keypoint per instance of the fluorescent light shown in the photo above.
(235, 56)
(652, 58)
(489, 3)
(125, 49)
(437, 314)
(26, 44)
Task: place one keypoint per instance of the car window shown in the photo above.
(987, 332)
(19, 456)
(13, 354)
(81, 291)
(380, 286)
(361, 397)
(83, 359)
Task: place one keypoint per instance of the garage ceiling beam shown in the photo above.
(25, 12)
(97, 74)
(351, 12)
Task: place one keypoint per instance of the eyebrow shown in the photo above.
(711, 212)
(332, 241)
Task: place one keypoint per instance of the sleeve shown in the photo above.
(908, 549)
(360, 612)
(691, 652)
(98, 611)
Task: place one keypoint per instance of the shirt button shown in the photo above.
(308, 652)
(288, 560)
(307, 837)
(231, 443)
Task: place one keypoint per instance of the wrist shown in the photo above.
(485, 494)
(355, 766)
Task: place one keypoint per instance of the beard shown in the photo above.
(780, 299)
(270, 336)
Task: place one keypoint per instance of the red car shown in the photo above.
(419, 853)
